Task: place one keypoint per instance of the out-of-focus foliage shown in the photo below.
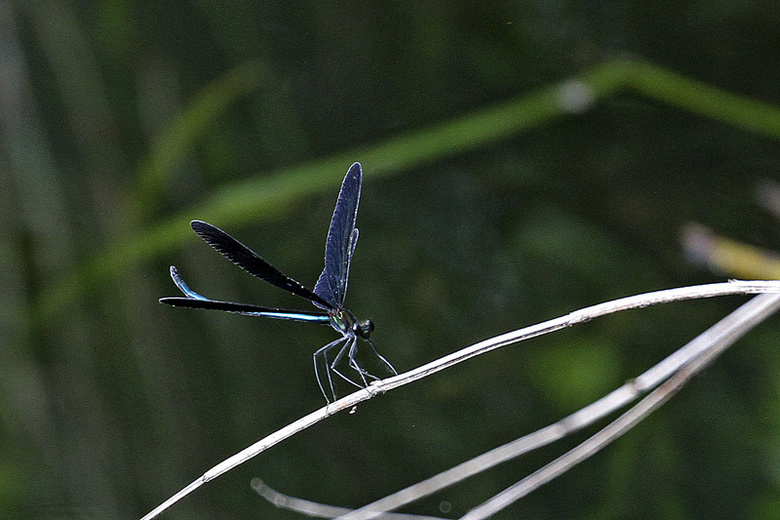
(522, 159)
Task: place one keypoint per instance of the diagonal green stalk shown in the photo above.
(260, 196)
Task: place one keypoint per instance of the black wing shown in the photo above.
(245, 308)
(250, 262)
(197, 301)
(342, 238)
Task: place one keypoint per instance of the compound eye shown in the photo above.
(363, 328)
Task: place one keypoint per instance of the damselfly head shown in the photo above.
(363, 328)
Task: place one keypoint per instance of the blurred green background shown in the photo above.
(522, 160)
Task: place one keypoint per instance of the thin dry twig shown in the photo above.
(713, 342)
(580, 316)
(317, 510)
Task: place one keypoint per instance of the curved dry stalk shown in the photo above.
(715, 340)
(580, 316)
(317, 510)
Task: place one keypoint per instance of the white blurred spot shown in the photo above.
(575, 97)
(697, 242)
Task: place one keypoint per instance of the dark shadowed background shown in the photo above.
(522, 160)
